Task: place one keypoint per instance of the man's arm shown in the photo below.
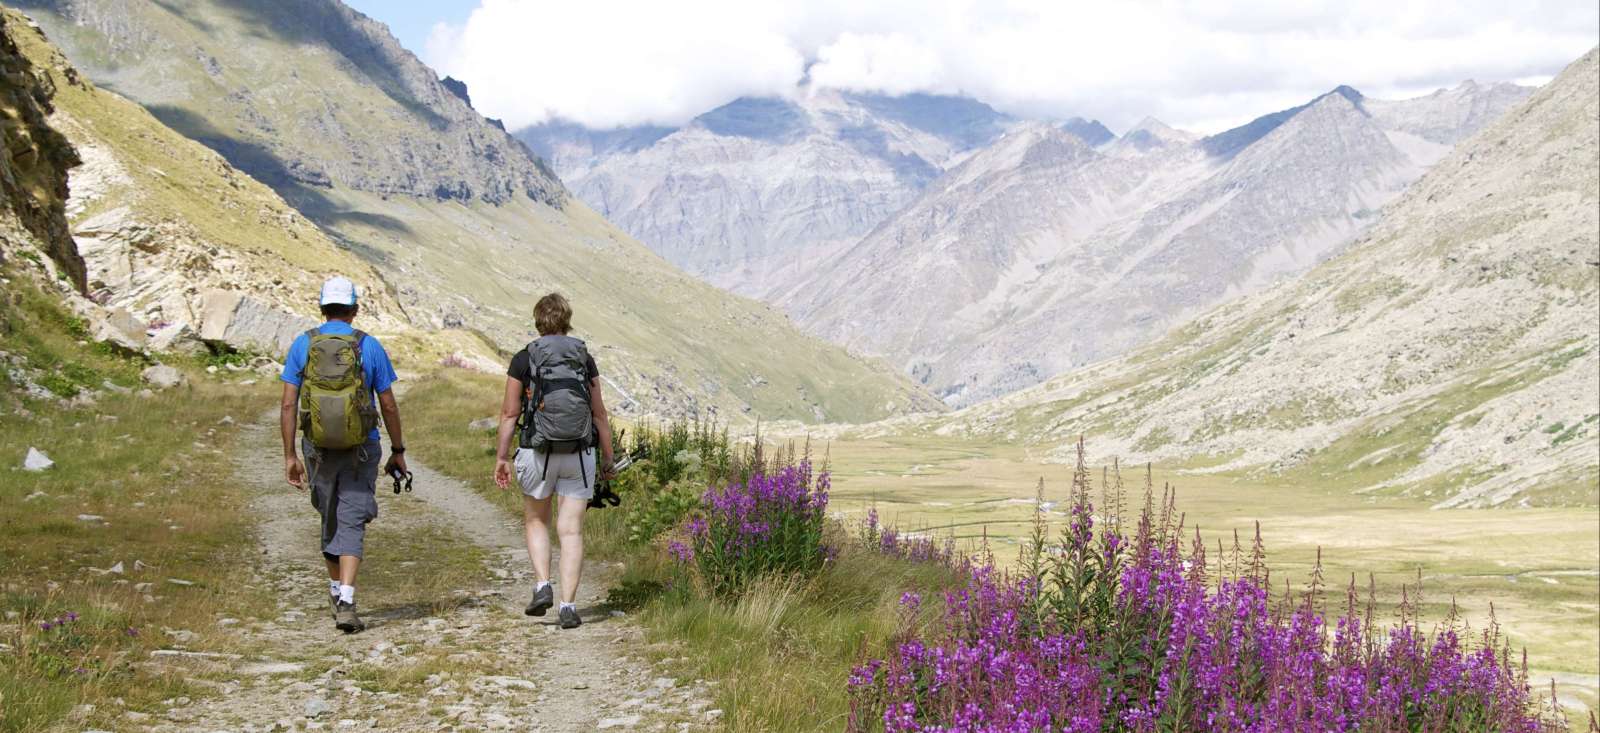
(510, 410)
(391, 423)
(288, 417)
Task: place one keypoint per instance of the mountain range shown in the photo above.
(981, 254)
(335, 150)
(751, 196)
(1451, 352)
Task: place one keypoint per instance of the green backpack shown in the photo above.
(336, 409)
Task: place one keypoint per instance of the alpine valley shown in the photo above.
(903, 379)
(982, 254)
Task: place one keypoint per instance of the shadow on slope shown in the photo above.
(301, 188)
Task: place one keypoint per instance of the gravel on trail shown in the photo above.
(496, 668)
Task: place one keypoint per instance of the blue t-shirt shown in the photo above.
(374, 361)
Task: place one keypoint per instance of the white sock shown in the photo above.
(541, 585)
(347, 594)
(333, 587)
(566, 606)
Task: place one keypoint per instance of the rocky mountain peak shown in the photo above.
(1090, 131)
(1228, 143)
(371, 116)
(751, 193)
(1151, 134)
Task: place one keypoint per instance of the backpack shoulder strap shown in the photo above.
(534, 379)
(311, 336)
(361, 339)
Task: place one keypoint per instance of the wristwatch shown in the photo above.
(397, 449)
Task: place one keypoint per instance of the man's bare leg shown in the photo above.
(348, 565)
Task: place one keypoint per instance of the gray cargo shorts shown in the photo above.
(344, 491)
(569, 474)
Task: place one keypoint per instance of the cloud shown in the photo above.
(1198, 65)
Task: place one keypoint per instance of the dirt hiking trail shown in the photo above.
(476, 664)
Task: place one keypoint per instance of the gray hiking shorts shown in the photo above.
(569, 474)
(344, 491)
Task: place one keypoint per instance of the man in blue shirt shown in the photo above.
(343, 483)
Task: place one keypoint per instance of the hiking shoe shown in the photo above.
(569, 618)
(333, 606)
(346, 620)
(543, 599)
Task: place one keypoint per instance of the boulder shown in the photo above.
(176, 338)
(484, 424)
(36, 460)
(243, 323)
(119, 329)
(162, 376)
(316, 707)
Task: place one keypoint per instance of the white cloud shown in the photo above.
(1198, 65)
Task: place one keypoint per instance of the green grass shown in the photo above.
(158, 471)
(783, 650)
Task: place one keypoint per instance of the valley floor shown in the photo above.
(1537, 568)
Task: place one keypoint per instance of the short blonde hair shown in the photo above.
(552, 315)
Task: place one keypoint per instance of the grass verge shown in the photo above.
(129, 541)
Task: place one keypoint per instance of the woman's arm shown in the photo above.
(602, 423)
(510, 410)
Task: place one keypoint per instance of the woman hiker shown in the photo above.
(553, 393)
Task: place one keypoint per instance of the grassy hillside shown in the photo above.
(175, 217)
(1450, 354)
(308, 108)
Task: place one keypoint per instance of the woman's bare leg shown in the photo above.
(536, 525)
(569, 526)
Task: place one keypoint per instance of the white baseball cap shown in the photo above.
(338, 290)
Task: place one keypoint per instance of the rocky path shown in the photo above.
(471, 661)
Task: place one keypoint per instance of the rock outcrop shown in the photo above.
(34, 158)
(242, 323)
(158, 221)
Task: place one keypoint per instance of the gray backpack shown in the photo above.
(556, 416)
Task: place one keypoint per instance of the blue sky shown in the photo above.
(412, 20)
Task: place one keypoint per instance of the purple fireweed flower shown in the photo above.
(770, 523)
(1113, 634)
